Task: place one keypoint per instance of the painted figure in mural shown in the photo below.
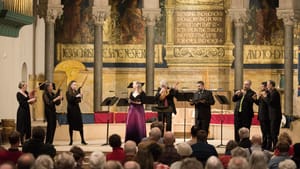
(135, 124)
(132, 23)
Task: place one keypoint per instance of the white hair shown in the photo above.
(97, 160)
(287, 164)
(244, 132)
(258, 159)
(43, 162)
(213, 163)
(184, 149)
(238, 163)
(163, 83)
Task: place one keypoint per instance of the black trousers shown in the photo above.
(203, 123)
(266, 133)
(240, 122)
(51, 127)
(166, 118)
(275, 127)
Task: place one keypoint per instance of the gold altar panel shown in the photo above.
(111, 53)
(203, 4)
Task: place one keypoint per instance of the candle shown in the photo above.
(151, 4)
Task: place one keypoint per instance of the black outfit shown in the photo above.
(169, 155)
(275, 115)
(264, 120)
(167, 102)
(50, 114)
(37, 147)
(202, 151)
(245, 143)
(203, 110)
(23, 116)
(243, 112)
(74, 115)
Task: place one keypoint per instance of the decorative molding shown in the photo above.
(151, 16)
(199, 52)
(100, 14)
(289, 16)
(50, 12)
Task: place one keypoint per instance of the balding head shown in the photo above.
(130, 147)
(244, 133)
(112, 165)
(238, 163)
(155, 134)
(213, 163)
(169, 138)
(25, 161)
(256, 140)
(131, 165)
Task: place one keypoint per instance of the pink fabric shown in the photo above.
(228, 119)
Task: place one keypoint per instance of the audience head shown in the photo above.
(244, 133)
(25, 161)
(130, 147)
(297, 150)
(155, 134)
(144, 159)
(191, 163)
(256, 140)
(283, 146)
(201, 136)
(64, 160)
(176, 165)
(156, 151)
(131, 165)
(7, 165)
(97, 160)
(158, 124)
(287, 164)
(231, 144)
(284, 136)
(194, 131)
(112, 165)
(258, 159)
(115, 141)
(213, 163)
(43, 162)
(14, 138)
(38, 133)
(169, 138)
(238, 163)
(78, 154)
(184, 150)
(239, 152)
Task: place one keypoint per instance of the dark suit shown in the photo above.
(167, 116)
(275, 115)
(243, 118)
(202, 151)
(203, 110)
(37, 147)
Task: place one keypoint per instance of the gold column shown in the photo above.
(170, 22)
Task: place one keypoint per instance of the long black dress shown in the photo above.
(73, 112)
(50, 115)
(23, 116)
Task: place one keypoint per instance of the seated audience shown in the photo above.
(156, 150)
(191, 163)
(176, 165)
(283, 149)
(159, 125)
(131, 165)
(7, 165)
(238, 163)
(239, 152)
(213, 162)
(285, 137)
(202, 150)
(169, 154)
(78, 155)
(184, 150)
(43, 162)
(258, 160)
(244, 134)
(130, 150)
(25, 161)
(64, 160)
(118, 153)
(13, 152)
(154, 137)
(112, 164)
(194, 131)
(287, 164)
(97, 160)
(36, 144)
(296, 157)
(227, 156)
(144, 159)
(256, 141)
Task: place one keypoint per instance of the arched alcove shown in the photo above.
(24, 72)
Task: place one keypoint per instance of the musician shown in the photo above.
(23, 113)
(165, 97)
(73, 111)
(203, 99)
(50, 101)
(135, 124)
(243, 111)
(263, 116)
(272, 98)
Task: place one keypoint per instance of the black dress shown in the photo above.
(23, 116)
(50, 115)
(73, 112)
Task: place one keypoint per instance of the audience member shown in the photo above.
(7, 165)
(202, 150)
(213, 163)
(43, 162)
(283, 149)
(97, 160)
(194, 131)
(64, 160)
(296, 157)
(154, 137)
(285, 137)
(244, 135)
(184, 150)
(287, 164)
(176, 165)
(131, 165)
(156, 151)
(158, 124)
(144, 159)
(169, 154)
(258, 160)
(117, 152)
(13, 152)
(112, 164)
(130, 150)
(191, 163)
(239, 152)
(25, 161)
(78, 155)
(256, 141)
(231, 144)
(36, 144)
(238, 163)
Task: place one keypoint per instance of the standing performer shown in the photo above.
(23, 113)
(243, 111)
(50, 100)
(202, 100)
(263, 116)
(272, 98)
(165, 97)
(135, 124)
(74, 112)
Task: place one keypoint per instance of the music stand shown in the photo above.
(109, 101)
(222, 100)
(123, 102)
(184, 97)
(150, 100)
